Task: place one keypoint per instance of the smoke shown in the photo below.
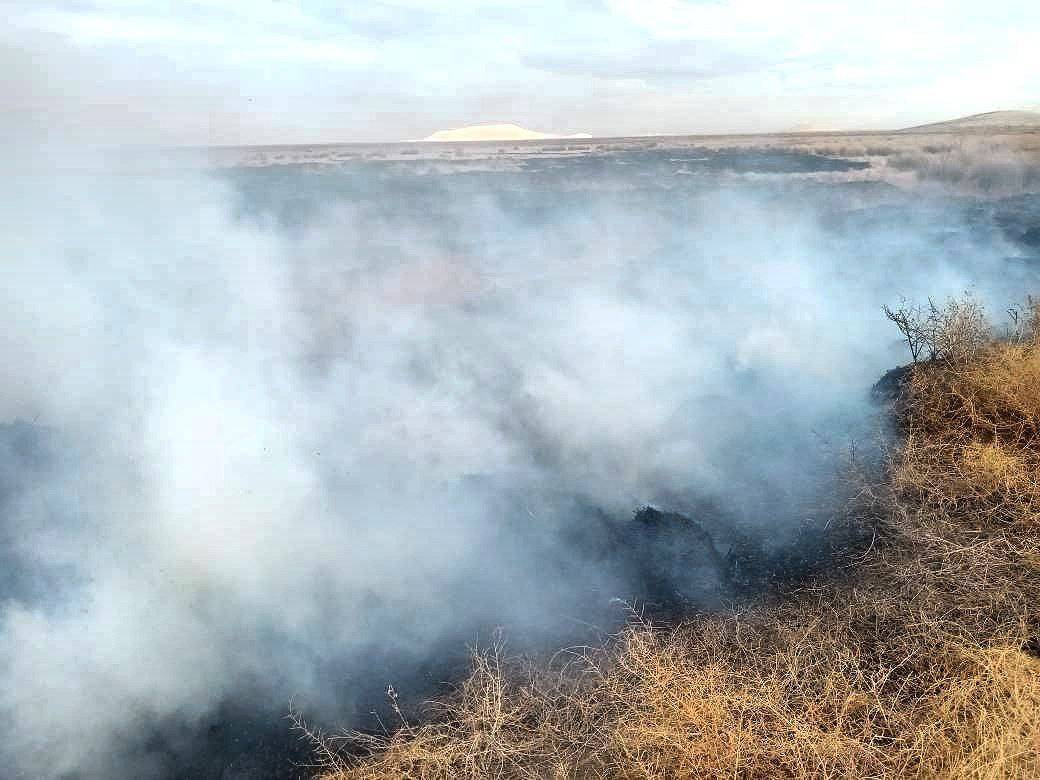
(261, 433)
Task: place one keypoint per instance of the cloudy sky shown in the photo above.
(299, 71)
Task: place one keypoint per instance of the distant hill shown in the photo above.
(506, 132)
(812, 127)
(993, 120)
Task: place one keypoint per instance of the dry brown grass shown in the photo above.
(979, 163)
(915, 664)
(972, 426)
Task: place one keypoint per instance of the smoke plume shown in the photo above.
(263, 431)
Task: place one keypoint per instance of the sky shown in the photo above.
(317, 71)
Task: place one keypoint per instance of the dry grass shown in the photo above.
(976, 163)
(972, 425)
(918, 664)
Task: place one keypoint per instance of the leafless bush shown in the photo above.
(909, 322)
(1024, 322)
(954, 331)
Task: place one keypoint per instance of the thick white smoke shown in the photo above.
(263, 447)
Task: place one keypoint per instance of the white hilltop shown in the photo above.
(504, 132)
(812, 127)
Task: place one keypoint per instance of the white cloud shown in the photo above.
(167, 33)
(324, 71)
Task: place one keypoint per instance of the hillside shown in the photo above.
(990, 121)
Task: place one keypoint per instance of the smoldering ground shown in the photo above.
(282, 433)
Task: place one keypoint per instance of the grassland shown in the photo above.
(917, 657)
(990, 161)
